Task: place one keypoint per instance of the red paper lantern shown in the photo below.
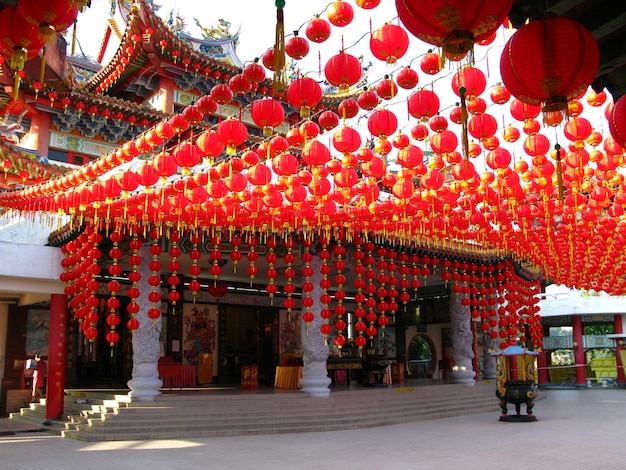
(328, 120)
(444, 142)
(348, 108)
(549, 61)
(423, 104)
(386, 88)
(368, 100)
(232, 133)
(617, 122)
(296, 47)
(481, 126)
(382, 123)
(221, 94)
(389, 43)
(209, 144)
(343, 70)
(431, 63)
(267, 114)
(49, 16)
(500, 95)
(186, 156)
(19, 39)
(346, 140)
(340, 13)
(254, 72)
(470, 78)
(407, 78)
(317, 30)
(239, 84)
(453, 25)
(367, 4)
(304, 93)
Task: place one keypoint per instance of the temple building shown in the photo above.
(176, 215)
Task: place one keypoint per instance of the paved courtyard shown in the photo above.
(576, 429)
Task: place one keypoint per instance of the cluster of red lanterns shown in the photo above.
(386, 279)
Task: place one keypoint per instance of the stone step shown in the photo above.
(234, 418)
(113, 416)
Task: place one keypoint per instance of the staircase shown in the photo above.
(210, 413)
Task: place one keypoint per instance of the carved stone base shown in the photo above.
(316, 385)
(461, 376)
(144, 389)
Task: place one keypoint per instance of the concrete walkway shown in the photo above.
(576, 429)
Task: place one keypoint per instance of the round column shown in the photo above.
(145, 384)
(462, 342)
(315, 380)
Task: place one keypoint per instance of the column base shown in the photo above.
(144, 389)
(464, 377)
(316, 386)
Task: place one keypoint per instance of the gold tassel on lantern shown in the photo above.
(280, 75)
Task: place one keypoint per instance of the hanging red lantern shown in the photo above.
(267, 114)
(431, 63)
(20, 39)
(328, 120)
(481, 126)
(367, 4)
(340, 13)
(549, 61)
(438, 123)
(596, 99)
(453, 25)
(471, 79)
(218, 289)
(186, 155)
(317, 30)
(232, 133)
(617, 122)
(407, 78)
(368, 100)
(423, 104)
(348, 108)
(522, 111)
(500, 95)
(382, 123)
(386, 88)
(304, 93)
(346, 140)
(221, 94)
(210, 144)
(343, 70)
(254, 72)
(444, 142)
(389, 43)
(296, 47)
(50, 17)
(239, 84)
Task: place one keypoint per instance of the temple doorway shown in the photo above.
(421, 357)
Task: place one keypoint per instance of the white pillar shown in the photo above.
(4, 325)
(145, 384)
(315, 380)
(462, 341)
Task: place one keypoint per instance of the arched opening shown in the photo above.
(421, 357)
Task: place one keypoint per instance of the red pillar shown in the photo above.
(619, 346)
(56, 356)
(579, 351)
(542, 370)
